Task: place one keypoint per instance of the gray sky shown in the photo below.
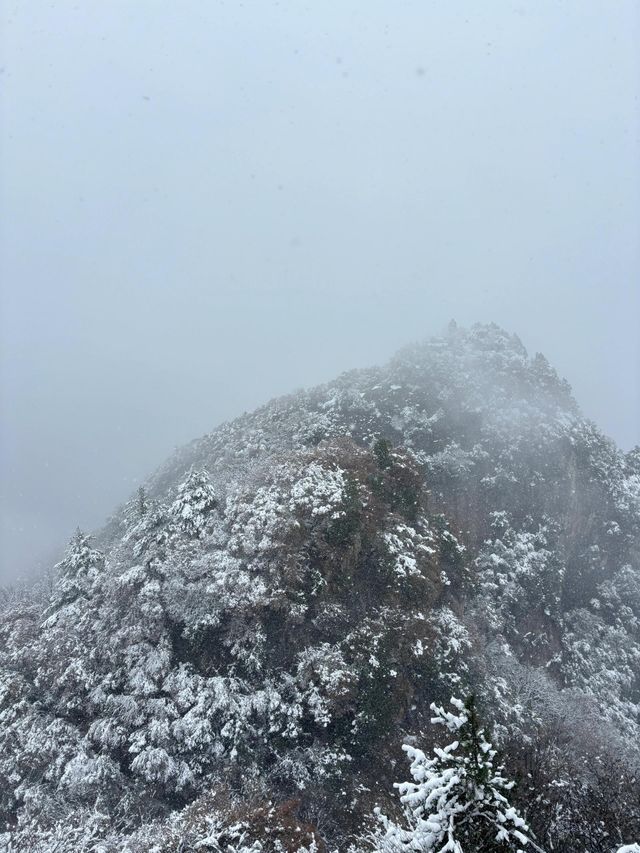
(205, 204)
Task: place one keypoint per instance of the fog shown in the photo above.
(207, 204)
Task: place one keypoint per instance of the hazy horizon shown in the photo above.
(209, 205)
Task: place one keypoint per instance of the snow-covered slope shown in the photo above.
(237, 658)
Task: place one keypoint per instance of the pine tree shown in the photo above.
(142, 501)
(457, 802)
(77, 572)
(195, 500)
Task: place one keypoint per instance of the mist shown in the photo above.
(207, 204)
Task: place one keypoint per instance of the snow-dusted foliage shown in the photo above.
(521, 579)
(77, 573)
(458, 800)
(259, 638)
(246, 642)
(195, 499)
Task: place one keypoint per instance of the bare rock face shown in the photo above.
(234, 662)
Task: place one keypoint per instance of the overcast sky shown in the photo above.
(205, 204)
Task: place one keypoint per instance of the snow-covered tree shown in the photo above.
(457, 802)
(78, 571)
(195, 500)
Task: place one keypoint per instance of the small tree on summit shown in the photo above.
(457, 802)
(195, 500)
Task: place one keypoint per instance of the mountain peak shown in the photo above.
(244, 649)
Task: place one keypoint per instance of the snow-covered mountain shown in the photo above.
(235, 662)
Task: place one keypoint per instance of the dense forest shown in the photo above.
(398, 612)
